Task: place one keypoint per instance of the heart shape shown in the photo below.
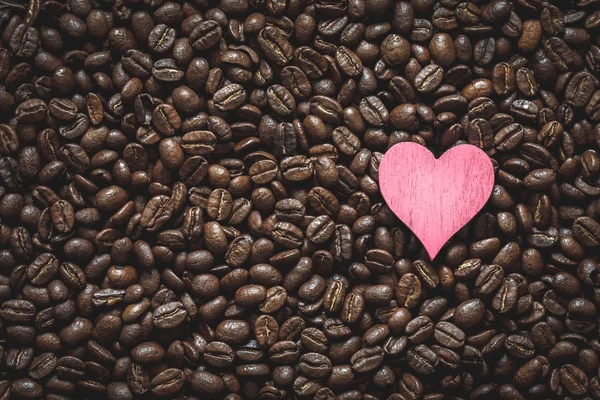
(435, 197)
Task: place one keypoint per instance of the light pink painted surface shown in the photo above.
(435, 197)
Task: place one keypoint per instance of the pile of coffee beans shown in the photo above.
(190, 208)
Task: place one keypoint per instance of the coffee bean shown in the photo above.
(489, 279)
(169, 315)
(352, 308)
(233, 331)
(520, 346)
(408, 291)
(348, 61)
(205, 383)
(42, 366)
(586, 231)
(509, 137)
(449, 335)
(198, 143)
(26, 388)
(367, 359)
(296, 81)
(156, 213)
(63, 216)
(276, 296)
(63, 109)
(168, 382)
(429, 78)
(33, 110)
(21, 311)
(315, 365)
(250, 295)
(24, 40)
(468, 313)
(70, 368)
(287, 235)
(275, 46)
(326, 108)
(280, 100)
(205, 34)
(506, 296)
(422, 359)
(574, 379)
(419, 329)
(229, 97)
(580, 89)
(531, 371)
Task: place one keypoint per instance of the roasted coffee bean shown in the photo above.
(573, 379)
(229, 97)
(205, 34)
(280, 100)
(509, 137)
(408, 291)
(352, 308)
(519, 346)
(26, 388)
(169, 315)
(283, 352)
(42, 366)
(468, 313)
(429, 78)
(138, 380)
(367, 359)
(32, 110)
(580, 89)
(276, 297)
(63, 109)
(489, 279)
(587, 231)
(275, 46)
(168, 382)
(314, 365)
(422, 359)
(70, 368)
(419, 329)
(219, 354)
(449, 335)
(348, 61)
(374, 111)
(19, 311)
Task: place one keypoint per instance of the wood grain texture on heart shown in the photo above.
(435, 197)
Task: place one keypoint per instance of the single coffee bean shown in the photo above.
(574, 379)
(229, 97)
(219, 354)
(169, 315)
(408, 291)
(168, 382)
(429, 78)
(205, 35)
(315, 365)
(520, 346)
(586, 231)
(280, 100)
(422, 360)
(367, 359)
(449, 335)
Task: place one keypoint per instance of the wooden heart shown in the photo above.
(435, 197)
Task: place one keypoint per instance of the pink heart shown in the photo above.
(435, 197)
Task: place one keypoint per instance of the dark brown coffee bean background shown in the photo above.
(190, 203)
